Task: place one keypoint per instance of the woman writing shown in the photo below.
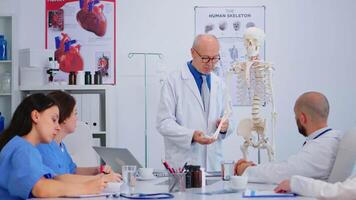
(23, 175)
(55, 154)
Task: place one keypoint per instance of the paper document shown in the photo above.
(112, 189)
(93, 195)
(266, 194)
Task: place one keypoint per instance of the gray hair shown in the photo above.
(200, 37)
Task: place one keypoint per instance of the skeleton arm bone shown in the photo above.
(228, 109)
(223, 120)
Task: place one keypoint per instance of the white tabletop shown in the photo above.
(157, 186)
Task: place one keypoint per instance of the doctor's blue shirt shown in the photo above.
(56, 157)
(198, 76)
(21, 168)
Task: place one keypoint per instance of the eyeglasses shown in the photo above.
(207, 59)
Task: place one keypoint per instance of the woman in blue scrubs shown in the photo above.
(23, 175)
(55, 154)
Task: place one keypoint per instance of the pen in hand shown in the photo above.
(102, 169)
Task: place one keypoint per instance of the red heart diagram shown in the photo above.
(68, 55)
(91, 17)
(60, 46)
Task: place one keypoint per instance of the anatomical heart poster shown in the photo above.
(82, 35)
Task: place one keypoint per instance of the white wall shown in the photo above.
(310, 43)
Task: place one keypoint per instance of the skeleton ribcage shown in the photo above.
(260, 85)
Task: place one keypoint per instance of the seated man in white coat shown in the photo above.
(319, 189)
(317, 155)
(191, 106)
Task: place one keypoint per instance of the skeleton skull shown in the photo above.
(253, 39)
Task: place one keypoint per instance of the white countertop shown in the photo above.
(158, 186)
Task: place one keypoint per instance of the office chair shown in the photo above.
(345, 158)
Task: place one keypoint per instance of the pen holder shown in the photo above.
(176, 182)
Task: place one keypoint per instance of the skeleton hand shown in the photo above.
(224, 126)
(241, 166)
(201, 138)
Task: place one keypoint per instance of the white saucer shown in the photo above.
(146, 178)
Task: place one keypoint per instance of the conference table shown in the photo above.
(213, 190)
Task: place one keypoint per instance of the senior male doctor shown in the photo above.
(191, 107)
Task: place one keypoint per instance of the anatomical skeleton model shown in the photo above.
(255, 78)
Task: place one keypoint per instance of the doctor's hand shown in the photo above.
(106, 169)
(283, 187)
(95, 186)
(241, 166)
(199, 137)
(224, 126)
(112, 177)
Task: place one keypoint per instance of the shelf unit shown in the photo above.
(8, 100)
(66, 88)
(107, 135)
(5, 61)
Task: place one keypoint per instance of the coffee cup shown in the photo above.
(238, 182)
(145, 172)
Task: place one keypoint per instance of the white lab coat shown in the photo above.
(314, 160)
(181, 112)
(322, 190)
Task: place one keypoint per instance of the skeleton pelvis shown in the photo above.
(244, 128)
(247, 126)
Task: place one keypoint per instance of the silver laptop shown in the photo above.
(117, 157)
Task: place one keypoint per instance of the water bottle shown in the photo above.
(3, 47)
(2, 123)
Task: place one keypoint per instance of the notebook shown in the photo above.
(265, 194)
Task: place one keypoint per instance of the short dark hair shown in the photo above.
(65, 102)
(21, 122)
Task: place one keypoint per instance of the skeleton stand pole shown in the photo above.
(160, 56)
(273, 120)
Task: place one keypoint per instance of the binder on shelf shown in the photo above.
(90, 110)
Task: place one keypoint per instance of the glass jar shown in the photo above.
(72, 80)
(5, 83)
(227, 170)
(188, 177)
(87, 78)
(196, 176)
